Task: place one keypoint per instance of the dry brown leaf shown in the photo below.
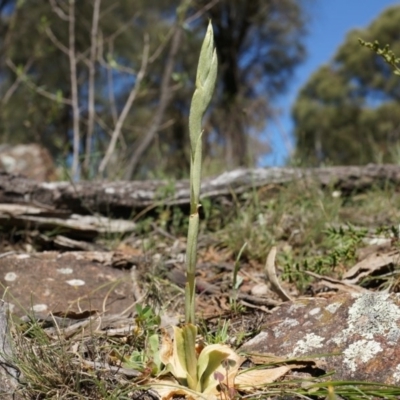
(168, 388)
(265, 358)
(256, 378)
(272, 278)
(337, 284)
(372, 263)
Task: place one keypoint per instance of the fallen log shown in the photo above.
(78, 226)
(125, 198)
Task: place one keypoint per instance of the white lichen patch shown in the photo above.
(370, 315)
(315, 311)
(141, 194)
(360, 352)
(289, 322)
(50, 185)
(110, 190)
(76, 282)
(295, 306)
(283, 327)
(260, 338)
(39, 307)
(65, 271)
(310, 342)
(332, 308)
(396, 374)
(10, 276)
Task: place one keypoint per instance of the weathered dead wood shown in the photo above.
(79, 226)
(8, 372)
(125, 197)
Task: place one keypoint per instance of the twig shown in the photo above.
(111, 96)
(11, 90)
(96, 365)
(58, 10)
(127, 107)
(106, 64)
(162, 46)
(35, 87)
(164, 99)
(55, 41)
(203, 10)
(260, 301)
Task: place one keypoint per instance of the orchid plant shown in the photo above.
(182, 365)
(196, 368)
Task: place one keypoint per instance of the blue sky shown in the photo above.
(331, 21)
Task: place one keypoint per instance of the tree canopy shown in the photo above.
(349, 110)
(105, 85)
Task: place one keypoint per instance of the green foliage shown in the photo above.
(348, 111)
(236, 280)
(146, 319)
(146, 358)
(219, 335)
(341, 246)
(345, 242)
(385, 52)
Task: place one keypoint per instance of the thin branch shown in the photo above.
(79, 57)
(127, 107)
(164, 99)
(58, 10)
(110, 78)
(202, 11)
(110, 84)
(55, 41)
(162, 46)
(121, 29)
(107, 129)
(110, 40)
(105, 63)
(108, 9)
(37, 88)
(74, 90)
(20, 77)
(117, 67)
(91, 83)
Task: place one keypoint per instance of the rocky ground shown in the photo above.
(329, 302)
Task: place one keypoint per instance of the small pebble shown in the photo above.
(39, 307)
(261, 289)
(76, 282)
(10, 276)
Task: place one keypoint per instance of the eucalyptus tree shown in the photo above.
(349, 110)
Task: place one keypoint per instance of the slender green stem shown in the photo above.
(205, 83)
